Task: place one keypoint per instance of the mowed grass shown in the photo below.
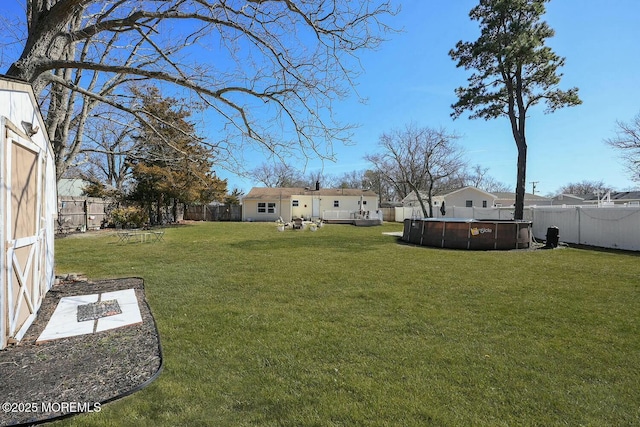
(347, 327)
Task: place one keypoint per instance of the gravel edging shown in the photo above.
(78, 374)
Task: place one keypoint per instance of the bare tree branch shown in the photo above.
(418, 159)
(269, 70)
(627, 140)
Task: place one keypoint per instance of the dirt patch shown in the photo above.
(77, 374)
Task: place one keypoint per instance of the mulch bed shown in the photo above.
(75, 374)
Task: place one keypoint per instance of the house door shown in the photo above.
(315, 208)
(23, 284)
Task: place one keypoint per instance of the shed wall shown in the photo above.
(28, 210)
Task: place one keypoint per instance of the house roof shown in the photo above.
(616, 195)
(288, 192)
(492, 195)
(441, 196)
(512, 196)
(567, 196)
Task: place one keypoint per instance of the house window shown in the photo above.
(294, 203)
(469, 203)
(484, 203)
(336, 203)
(266, 207)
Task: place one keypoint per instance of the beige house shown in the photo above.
(269, 204)
(28, 210)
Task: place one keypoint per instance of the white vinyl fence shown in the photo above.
(333, 215)
(616, 227)
(505, 213)
(607, 227)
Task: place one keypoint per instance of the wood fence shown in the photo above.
(213, 213)
(93, 213)
(82, 213)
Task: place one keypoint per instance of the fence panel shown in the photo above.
(388, 214)
(403, 213)
(615, 227)
(607, 227)
(213, 213)
(195, 213)
(92, 213)
(82, 213)
(502, 213)
(567, 220)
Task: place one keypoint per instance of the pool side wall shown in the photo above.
(468, 234)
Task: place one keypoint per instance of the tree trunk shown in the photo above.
(159, 208)
(517, 129)
(430, 197)
(422, 206)
(521, 180)
(175, 210)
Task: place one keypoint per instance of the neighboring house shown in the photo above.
(509, 199)
(72, 187)
(470, 197)
(617, 198)
(412, 201)
(28, 211)
(269, 204)
(462, 197)
(567, 200)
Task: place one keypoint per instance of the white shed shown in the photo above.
(27, 209)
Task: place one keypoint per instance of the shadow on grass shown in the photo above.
(606, 250)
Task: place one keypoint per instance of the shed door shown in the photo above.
(24, 233)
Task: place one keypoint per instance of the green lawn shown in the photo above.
(347, 327)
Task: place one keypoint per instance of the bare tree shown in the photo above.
(418, 159)
(318, 178)
(278, 175)
(479, 178)
(584, 188)
(376, 181)
(627, 140)
(353, 179)
(108, 144)
(491, 185)
(270, 71)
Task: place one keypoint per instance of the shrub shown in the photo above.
(130, 216)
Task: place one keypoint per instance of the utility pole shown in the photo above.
(533, 186)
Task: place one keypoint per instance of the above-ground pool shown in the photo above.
(473, 234)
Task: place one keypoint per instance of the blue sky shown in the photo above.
(411, 78)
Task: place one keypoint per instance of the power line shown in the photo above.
(533, 186)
